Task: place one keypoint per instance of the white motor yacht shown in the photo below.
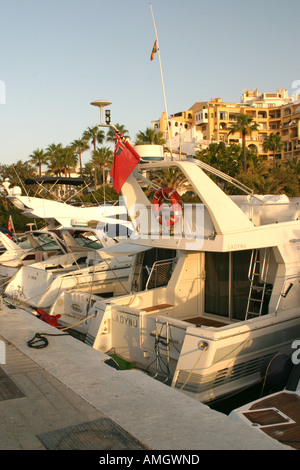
(33, 246)
(85, 266)
(57, 211)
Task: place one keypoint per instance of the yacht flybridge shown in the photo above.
(216, 289)
(58, 211)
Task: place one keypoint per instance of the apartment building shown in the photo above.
(210, 121)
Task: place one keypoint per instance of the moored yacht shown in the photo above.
(85, 265)
(33, 246)
(224, 297)
(58, 211)
(74, 306)
(276, 414)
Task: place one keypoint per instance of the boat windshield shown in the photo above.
(45, 242)
(23, 242)
(87, 240)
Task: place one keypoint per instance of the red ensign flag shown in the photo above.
(10, 226)
(125, 160)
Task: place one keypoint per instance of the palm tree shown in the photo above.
(150, 137)
(61, 158)
(88, 172)
(102, 157)
(172, 178)
(54, 155)
(111, 134)
(80, 146)
(68, 158)
(244, 126)
(95, 136)
(39, 158)
(294, 164)
(273, 142)
(257, 177)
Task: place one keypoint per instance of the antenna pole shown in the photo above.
(162, 81)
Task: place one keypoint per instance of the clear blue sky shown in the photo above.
(58, 56)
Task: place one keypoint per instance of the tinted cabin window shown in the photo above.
(227, 284)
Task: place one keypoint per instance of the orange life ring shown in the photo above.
(171, 195)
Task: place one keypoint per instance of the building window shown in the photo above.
(223, 115)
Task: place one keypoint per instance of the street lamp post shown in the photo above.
(101, 104)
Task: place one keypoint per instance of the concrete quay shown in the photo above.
(67, 386)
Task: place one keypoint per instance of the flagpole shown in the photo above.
(162, 81)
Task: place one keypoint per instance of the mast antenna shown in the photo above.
(162, 81)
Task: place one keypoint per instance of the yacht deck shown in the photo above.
(279, 417)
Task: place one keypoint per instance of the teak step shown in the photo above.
(205, 322)
(156, 307)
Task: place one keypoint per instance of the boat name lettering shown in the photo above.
(237, 246)
(126, 320)
(33, 277)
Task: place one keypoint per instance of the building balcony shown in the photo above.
(275, 115)
(199, 122)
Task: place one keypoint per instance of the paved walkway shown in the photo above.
(46, 405)
(68, 385)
